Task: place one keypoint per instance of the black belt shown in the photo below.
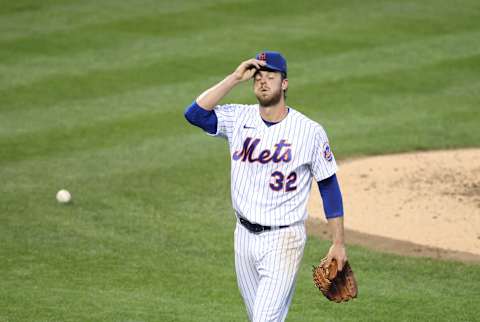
(256, 228)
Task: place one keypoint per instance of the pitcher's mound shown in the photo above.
(427, 198)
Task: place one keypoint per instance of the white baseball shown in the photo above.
(63, 196)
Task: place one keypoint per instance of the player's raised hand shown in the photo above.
(247, 69)
(209, 98)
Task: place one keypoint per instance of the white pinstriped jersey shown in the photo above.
(272, 167)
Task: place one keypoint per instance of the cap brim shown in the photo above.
(271, 68)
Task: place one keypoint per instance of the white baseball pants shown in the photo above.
(266, 265)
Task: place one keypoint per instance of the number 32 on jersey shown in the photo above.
(279, 182)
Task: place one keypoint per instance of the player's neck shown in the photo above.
(274, 113)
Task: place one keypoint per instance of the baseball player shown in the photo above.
(275, 153)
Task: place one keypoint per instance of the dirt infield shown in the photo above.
(420, 204)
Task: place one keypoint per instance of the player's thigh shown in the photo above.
(247, 275)
(278, 272)
(285, 252)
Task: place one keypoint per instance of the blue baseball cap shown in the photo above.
(275, 61)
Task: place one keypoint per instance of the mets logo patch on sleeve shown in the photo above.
(327, 152)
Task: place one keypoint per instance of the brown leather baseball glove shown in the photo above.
(336, 286)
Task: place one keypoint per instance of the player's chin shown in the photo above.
(266, 100)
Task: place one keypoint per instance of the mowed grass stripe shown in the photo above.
(126, 47)
(31, 18)
(401, 56)
(155, 100)
(374, 92)
(23, 65)
(158, 154)
(126, 50)
(382, 59)
(99, 135)
(60, 88)
(158, 24)
(131, 16)
(67, 87)
(411, 111)
(131, 209)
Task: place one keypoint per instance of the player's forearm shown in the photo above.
(337, 230)
(210, 98)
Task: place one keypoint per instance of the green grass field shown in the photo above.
(92, 95)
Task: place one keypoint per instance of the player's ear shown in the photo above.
(284, 84)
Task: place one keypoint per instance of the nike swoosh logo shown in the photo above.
(248, 127)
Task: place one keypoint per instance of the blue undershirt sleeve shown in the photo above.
(196, 115)
(331, 197)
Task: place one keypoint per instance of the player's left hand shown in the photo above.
(338, 252)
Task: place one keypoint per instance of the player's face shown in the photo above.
(268, 87)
